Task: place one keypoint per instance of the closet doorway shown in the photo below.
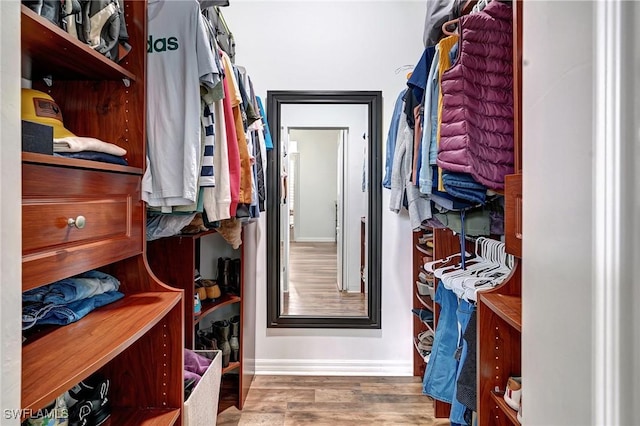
(315, 211)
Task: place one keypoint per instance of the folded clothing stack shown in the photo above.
(68, 300)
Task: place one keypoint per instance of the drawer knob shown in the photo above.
(78, 222)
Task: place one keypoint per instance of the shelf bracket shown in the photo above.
(48, 80)
(127, 82)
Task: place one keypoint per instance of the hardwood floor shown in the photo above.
(313, 287)
(334, 401)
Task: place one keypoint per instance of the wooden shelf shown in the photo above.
(426, 301)
(196, 236)
(502, 405)
(208, 306)
(32, 157)
(127, 416)
(58, 360)
(424, 250)
(509, 308)
(49, 51)
(232, 366)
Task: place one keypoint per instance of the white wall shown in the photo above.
(341, 45)
(10, 213)
(558, 231)
(318, 179)
(355, 119)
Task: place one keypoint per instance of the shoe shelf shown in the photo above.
(174, 260)
(509, 308)
(426, 301)
(209, 306)
(424, 250)
(57, 360)
(232, 366)
(444, 244)
(50, 51)
(503, 407)
(144, 417)
(415, 345)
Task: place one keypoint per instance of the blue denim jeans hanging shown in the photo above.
(465, 309)
(439, 377)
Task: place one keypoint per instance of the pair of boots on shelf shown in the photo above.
(229, 271)
(223, 335)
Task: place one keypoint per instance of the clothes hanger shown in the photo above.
(448, 261)
(491, 280)
(483, 262)
(446, 25)
(449, 268)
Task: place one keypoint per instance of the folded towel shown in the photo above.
(77, 144)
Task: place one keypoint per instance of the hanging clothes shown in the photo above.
(179, 60)
(418, 204)
(476, 135)
(232, 150)
(268, 141)
(217, 200)
(446, 45)
(236, 101)
(391, 139)
(438, 12)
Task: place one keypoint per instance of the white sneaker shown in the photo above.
(513, 392)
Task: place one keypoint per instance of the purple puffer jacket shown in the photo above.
(476, 136)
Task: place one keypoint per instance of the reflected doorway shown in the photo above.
(315, 279)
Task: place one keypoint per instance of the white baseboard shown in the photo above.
(321, 367)
(314, 240)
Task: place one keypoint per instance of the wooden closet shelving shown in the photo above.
(500, 309)
(136, 342)
(174, 260)
(50, 51)
(445, 243)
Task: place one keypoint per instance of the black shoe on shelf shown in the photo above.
(95, 390)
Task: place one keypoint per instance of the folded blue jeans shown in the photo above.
(49, 313)
(439, 377)
(462, 185)
(88, 284)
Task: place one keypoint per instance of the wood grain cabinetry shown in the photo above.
(79, 215)
(174, 261)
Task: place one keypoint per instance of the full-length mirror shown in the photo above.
(324, 209)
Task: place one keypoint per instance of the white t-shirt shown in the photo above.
(179, 59)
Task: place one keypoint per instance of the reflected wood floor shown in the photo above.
(334, 401)
(313, 285)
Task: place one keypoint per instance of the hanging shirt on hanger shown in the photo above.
(179, 59)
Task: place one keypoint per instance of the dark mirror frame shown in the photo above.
(373, 99)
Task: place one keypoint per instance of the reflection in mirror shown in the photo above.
(323, 230)
(324, 207)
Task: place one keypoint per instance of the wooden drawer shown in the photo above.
(109, 203)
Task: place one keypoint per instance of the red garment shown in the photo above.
(232, 148)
